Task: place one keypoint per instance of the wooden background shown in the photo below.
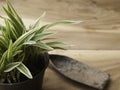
(101, 20)
(95, 41)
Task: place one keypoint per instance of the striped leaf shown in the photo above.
(3, 61)
(10, 51)
(29, 42)
(37, 22)
(55, 44)
(43, 46)
(17, 25)
(11, 66)
(57, 23)
(22, 38)
(42, 36)
(24, 70)
(12, 10)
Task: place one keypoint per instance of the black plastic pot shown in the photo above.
(30, 84)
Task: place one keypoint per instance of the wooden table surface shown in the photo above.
(101, 20)
(90, 40)
(108, 61)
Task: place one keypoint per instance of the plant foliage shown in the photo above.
(17, 43)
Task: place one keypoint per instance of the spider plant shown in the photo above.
(18, 43)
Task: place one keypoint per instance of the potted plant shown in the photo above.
(24, 51)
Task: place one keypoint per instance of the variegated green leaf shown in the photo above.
(11, 66)
(41, 36)
(12, 10)
(17, 48)
(22, 38)
(2, 27)
(3, 42)
(57, 23)
(10, 51)
(29, 42)
(38, 21)
(8, 28)
(43, 46)
(17, 25)
(17, 52)
(55, 44)
(24, 70)
(2, 61)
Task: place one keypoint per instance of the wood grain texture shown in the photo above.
(100, 29)
(108, 61)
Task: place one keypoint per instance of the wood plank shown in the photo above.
(100, 29)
